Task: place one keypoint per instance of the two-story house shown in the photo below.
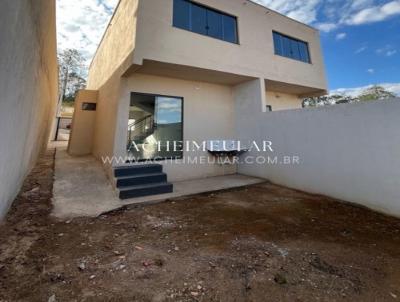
(180, 70)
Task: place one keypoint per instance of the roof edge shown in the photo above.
(105, 32)
(278, 13)
(249, 1)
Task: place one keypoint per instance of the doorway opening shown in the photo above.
(155, 127)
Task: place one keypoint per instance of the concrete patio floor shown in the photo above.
(81, 187)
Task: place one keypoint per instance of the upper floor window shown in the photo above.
(291, 48)
(206, 21)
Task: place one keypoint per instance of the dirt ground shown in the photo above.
(260, 243)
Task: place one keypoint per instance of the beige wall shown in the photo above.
(283, 101)
(106, 117)
(158, 40)
(116, 46)
(208, 114)
(112, 58)
(28, 85)
(142, 30)
(83, 124)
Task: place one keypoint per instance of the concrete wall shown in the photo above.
(208, 114)
(158, 40)
(283, 101)
(83, 124)
(350, 152)
(249, 104)
(28, 86)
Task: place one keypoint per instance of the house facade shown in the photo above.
(180, 70)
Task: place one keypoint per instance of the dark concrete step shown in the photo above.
(141, 179)
(145, 190)
(137, 169)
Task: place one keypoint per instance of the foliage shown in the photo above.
(327, 100)
(375, 93)
(68, 101)
(71, 74)
(370, 94)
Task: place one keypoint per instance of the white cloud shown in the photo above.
(387, 50)
(360, 4)
(330, 15)
(361, 49)
(390, 53)
(371, 70)
(339, 13)
(392, 87)
(301, 10)
(375, 13)
(326, 27)
(81, 24)
(170, 105)
(341, 36)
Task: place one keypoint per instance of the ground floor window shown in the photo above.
(155, 127)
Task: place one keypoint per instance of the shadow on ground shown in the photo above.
(259, 243)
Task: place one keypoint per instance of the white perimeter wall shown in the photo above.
(350, 152)
(28, 89)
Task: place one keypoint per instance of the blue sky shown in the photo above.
(359, 55)
(360, 38)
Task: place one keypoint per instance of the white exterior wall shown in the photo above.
(28, 89)
(349, 152)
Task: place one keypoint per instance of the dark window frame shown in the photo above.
(291, 40)
(208, 8)
(182, 119)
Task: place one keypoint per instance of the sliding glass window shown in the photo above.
(155, 127)
(205, 21)
(291, 48)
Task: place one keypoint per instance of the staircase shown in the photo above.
(140, 139)
(140, 130)
(141, 180)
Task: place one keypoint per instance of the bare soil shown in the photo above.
(259, 243)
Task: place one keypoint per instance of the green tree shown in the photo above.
(370, 94)
(327, 100)
(71, 75)
(375, 93)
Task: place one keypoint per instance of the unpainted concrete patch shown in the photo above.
(81, 188)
